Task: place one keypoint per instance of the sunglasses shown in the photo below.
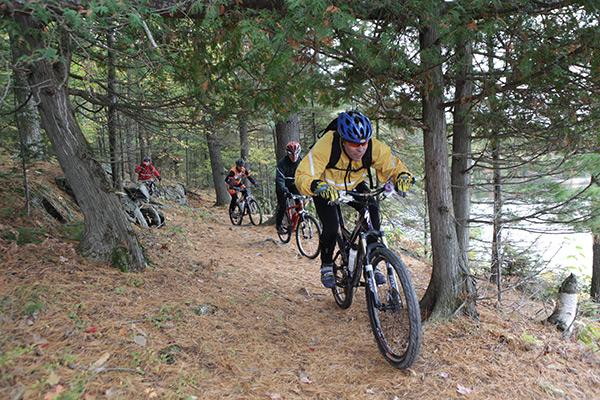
(294, 152)
(357, 145)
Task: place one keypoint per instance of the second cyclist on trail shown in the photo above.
(234, 180)
(340, 160)
(285, 178)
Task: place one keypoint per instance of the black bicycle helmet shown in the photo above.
(354, 127)
(240, 162)
(147, 159)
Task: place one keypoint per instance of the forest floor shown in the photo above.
(229, 312)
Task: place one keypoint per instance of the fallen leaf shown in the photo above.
(462, 389)
(53, 379)
(139, 339)
(54, 394)
(91, 329)
(444, 374)
(100, 362)
(273, 395)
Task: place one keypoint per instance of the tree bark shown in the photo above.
(111, 122)
(496, 264)
(27, 113)
(566, 305)
(450, 286)
(108, 236)
(216, 163)
(286, 132)
(461, 151)
(595, 290)
(243, 127)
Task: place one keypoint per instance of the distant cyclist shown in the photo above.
(234, 180)
(340, 160)
(284, 179)
(146, 171)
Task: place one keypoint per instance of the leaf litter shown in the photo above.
(223, 320)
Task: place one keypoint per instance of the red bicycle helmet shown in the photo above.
(293, 148)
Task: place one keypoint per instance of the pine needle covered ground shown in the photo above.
(229, 312)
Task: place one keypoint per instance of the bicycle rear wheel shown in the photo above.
(308, 234)
(255, 212)
(236, 215)
(396, 321)
(286, 228)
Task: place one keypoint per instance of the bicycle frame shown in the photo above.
(243, 201)
(295, 211)
(362, 230)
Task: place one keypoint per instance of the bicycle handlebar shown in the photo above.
(346, 196)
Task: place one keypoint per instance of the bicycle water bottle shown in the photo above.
(352, 260)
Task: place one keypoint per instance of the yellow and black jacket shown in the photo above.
(345, 174)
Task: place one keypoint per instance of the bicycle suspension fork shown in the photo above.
(367, 249)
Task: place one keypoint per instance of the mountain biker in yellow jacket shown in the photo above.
(340, 160)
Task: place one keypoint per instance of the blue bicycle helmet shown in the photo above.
(354, 127)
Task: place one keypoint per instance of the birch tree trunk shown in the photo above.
(108, 236)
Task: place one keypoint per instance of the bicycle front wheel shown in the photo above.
(395, 315)
(308, 234)
(343, 291)
(236, 215)
(255, 212)
(286, 228)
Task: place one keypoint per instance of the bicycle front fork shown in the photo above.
(369, 270)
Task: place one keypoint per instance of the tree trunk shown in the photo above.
(450, 286)
(108, 236)
(496, 264)
(461, 152)
(216, 163)
(595, 290)
(243, 127)
(566, 306)
(112, 115)
(27, 114)
(286, 132)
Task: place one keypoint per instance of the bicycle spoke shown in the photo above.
(308, 234)
(394, 314)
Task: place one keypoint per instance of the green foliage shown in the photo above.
(27, 301)
(24, 235)
(167, 314)
(590, 335)
(72, 230)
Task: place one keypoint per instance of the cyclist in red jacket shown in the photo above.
(146, 171)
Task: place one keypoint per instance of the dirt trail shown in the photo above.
(231, 313)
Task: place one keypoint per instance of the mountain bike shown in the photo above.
(246, 205)
(153, 188)
(393, 307)
(308, 230)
